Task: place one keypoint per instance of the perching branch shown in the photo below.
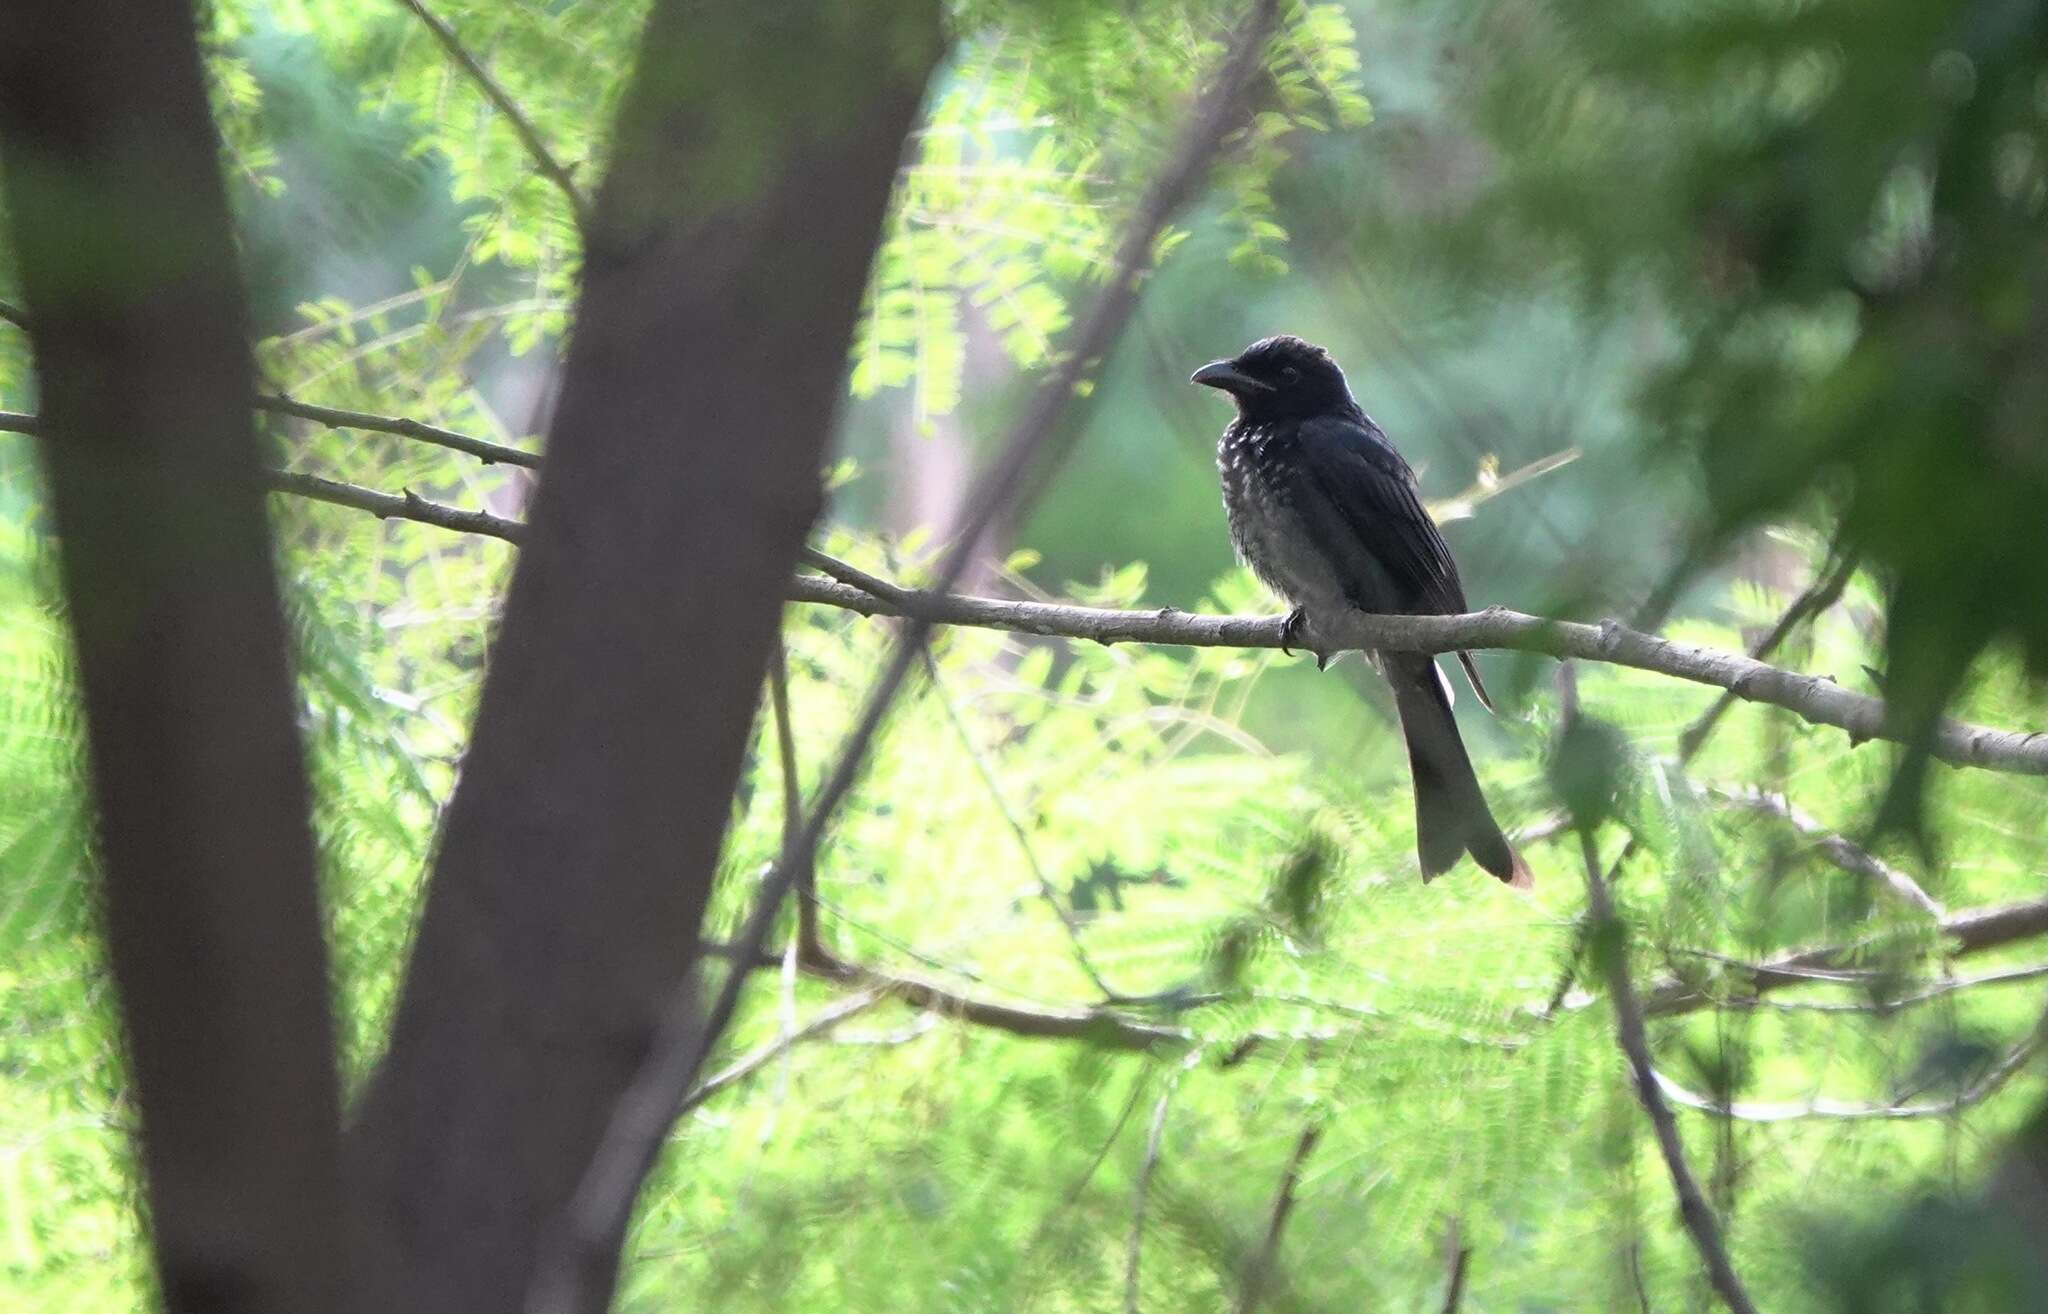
(1814, 698)
(529, 136)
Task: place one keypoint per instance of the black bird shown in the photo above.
(1326, 511)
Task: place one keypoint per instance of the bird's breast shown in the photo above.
(1258, 499)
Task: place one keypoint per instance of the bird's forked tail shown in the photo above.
(1451, 816)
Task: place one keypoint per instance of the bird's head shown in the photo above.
(1278, 378)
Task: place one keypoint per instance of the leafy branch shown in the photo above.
(529, 136)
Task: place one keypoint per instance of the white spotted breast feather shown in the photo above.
(1258, 500)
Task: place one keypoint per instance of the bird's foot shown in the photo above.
(1290, 629)
(1291, 636)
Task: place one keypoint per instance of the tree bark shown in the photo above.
(729, 246)
(127, 260)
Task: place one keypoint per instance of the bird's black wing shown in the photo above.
(1358, 502)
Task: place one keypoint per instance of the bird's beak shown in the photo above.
(1225, 375)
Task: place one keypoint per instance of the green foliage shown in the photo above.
(1837, 210)
(1220, 875)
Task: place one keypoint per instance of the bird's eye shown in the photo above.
(1291, 374)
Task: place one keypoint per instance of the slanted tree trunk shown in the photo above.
(128, 265)
(727, 255)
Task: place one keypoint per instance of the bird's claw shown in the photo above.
(1290, 629)
(1290, 635)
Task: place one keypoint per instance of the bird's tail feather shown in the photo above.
(1451, 816)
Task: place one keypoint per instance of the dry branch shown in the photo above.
(760, 1058)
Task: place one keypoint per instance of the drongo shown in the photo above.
(1324, 509)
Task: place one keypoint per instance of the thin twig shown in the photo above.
(1458, 1258)
(1134, 1250)
(1838, 849)
(1628, 1026)
(2015, 1060)
(1104, 1027)
(1607, 936)
(1822, 594)
(388, 506)
(746, 1067)
(1815, 599)
(1972, 931)
(1892, 1003)
(529, 136)
(792, 792)
(1283, 1204)
(1029, 851)
(333, 417)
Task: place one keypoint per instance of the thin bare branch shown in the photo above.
(1046, 892)
(2015, 1060)
(1283, 1204)
(1971, 931)
(1838, 849)
(529, 136)
(1457, 1258)
(746, 1067)
(1817, 597)
(1628, 1025)
(1134, 1252)
(1822, 594)
(333, 417)
(1607, 942)
(394, 506)
(792, 792)
(1815, 699)
(1892, 1003)
(1105, 1027)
